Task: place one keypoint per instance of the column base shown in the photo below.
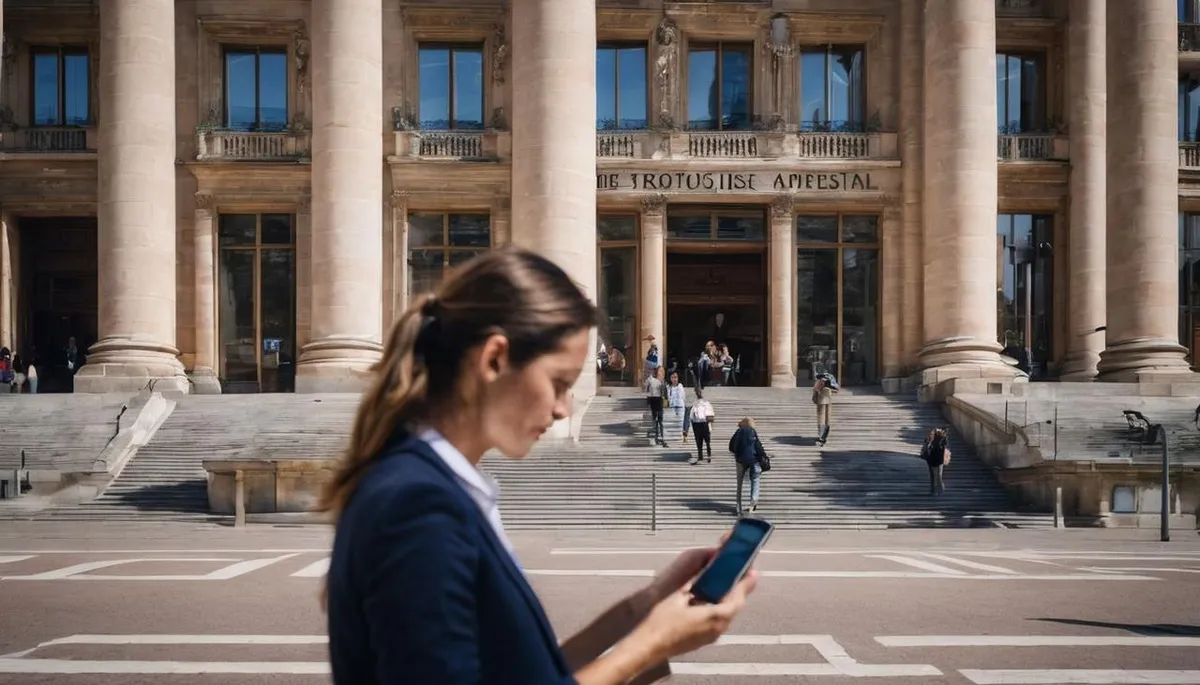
(337, 364)
(1080, 367)
(205, 381)
(130, 365)
(1155, 360)
(783, 379)
(964, 352)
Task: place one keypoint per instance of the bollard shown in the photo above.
(1165, 532)
(653, 502)
(239, 500)
(1058, 508)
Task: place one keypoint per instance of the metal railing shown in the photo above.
(45, 139)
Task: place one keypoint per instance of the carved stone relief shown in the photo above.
(666, 73)
(783, 206)
(301, 50)
(654, 205)
(499, 50)
(205, 202)
(8, 53)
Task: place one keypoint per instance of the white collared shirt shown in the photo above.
(483, 489)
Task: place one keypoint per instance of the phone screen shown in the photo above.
(732, 560)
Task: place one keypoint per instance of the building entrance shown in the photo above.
(56, 274)
(718, 296)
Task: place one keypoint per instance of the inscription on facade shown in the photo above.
(734, 181)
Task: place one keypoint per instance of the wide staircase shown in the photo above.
(867, 476)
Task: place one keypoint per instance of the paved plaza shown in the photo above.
(178, 603)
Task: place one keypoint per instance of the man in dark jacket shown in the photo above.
(934, 451)
(747, 451)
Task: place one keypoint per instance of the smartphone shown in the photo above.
(731, 562)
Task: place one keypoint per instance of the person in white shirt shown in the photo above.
(677, 401)
(702, 415)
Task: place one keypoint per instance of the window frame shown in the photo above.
(719, 46)
(633, 243)
(714, 213)
(258, 51)
(452, 47)
(1042, 58)
(60, 52)
(617, 46)
(827, 125)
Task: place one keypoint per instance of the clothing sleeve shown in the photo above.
(418, 576)
(733, 440)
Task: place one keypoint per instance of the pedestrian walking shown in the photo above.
(822, 395)
(676, 402)
(423, 585)
(749, 454)
(701, 418)
(655, 398)
(936, 454)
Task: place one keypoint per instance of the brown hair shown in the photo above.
(507, 291)
(746, 423)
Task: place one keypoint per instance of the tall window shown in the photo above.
(437, 242)
(837, 287)
(621, 92)
(685, 223)
(720, 77)
(451, 87)
(60, 87)
(1025, 288)
(1189, 283)
(1189, 108)
(1188, 11)
(618, 357)
(256, 89)
(1020, 93)
(257, 307)
(832, 89)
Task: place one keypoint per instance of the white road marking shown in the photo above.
(80, 571)
(77, 569)
(957, 575)
(1126, 569)
(969, 564)
(1078, 677)
(316, 569)
(752, 669)
(1035, 641)
(917, 563)
(187, 640)
(13, 559)
(73, 667)
(89, 552)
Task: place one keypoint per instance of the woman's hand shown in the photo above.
(678, 625)
(683, 569)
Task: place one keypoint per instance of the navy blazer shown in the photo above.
(422, 592)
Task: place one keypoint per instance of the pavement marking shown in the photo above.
(752, 669)
(1078, 677)
(917, 563)
(73, 667)
(244, 550)
(187, 640)
(969, 564)
(1124, 569)
(12, 559)
(957, 575)
(1035, 641)
(317, 569)
(80, 571)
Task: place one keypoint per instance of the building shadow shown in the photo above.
(1151, 629)
(708, 504)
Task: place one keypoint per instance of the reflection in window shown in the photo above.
(621, 87)
(1188, 11)
(1189, 283)
(438, 241)
(451, 82)
(1189, 109)
(256, 90)
(60, 82)
(617, 355)
(730, 224)
(719, 87)
(832, 90)
(1020, 93)
(1026, 275)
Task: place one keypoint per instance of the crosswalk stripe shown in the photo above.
(1035, 641)
(1078, 677)
(969, 564)
(917, 563)
(314, 570)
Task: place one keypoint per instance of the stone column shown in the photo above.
(204, 376)
(554, 142)
(501, 221)
(347, 182)
(137, 222)
(1085, 243)
(400, 292)
(303, 271)
(960, 192)
(652, 280)
(1142, 338)
(8, 284)
(891, 296)
(912, 17)
(783, 292)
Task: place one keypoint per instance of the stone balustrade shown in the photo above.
(1189, 156)
(747, 145)
(453, 145)
(49, 139)
(218, 145)
(1026, 147)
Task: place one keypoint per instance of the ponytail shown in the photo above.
(397, 397)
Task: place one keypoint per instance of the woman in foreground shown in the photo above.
(423, 587)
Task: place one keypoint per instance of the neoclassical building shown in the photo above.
(242, 195)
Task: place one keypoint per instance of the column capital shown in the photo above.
(783, 206)
(205, 202)
(304, 204)
(654, 205)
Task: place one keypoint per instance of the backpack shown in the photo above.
(6, 371)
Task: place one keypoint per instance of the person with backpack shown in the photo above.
(936, 454)
(822, 396)
(751, 459)
(653, 387)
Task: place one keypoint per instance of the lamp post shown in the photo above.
(1160, 433)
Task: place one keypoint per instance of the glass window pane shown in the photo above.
(470, 230)
(425, 269)
(816, 229)
(1031, 95)
(631, 69)
(860, 229)
(689, 227)
(616, 227)
(45, 90)
(240, 101)
(272, 91)
(702, 89)
(740, 228)
(1012, 98)
(816, 309)
(606, 88)
(75, 90)
(618, 302)
(1001, 93)
(460, 257)
(468, 89)
(860, 316)
(277, 229)
(237, 229)
(426, 230)
(813, 114)
(846, 89)
(278, 279)
(236, 312)
(434, 67)
(735, 88)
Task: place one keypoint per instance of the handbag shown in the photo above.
(764, 460)
(946, 456)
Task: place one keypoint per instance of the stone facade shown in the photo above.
(357, 174)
